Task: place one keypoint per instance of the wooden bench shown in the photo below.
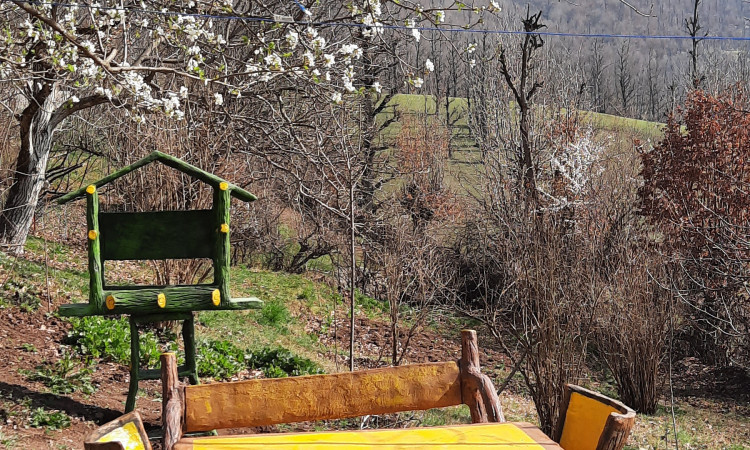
(254, 403)
(592, 421)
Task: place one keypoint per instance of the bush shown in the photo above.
(695, 194)
(219, 359)
(109, 339)
(280, 362)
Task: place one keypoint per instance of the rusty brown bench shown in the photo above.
(592, 421)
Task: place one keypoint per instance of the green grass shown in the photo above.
(276, 324)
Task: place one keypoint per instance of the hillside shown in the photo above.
(52, 392)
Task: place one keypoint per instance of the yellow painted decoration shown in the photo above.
(110, 302)
(216, 297)
(93, 234)
(584, 422)
(161, 300)
(319, 397)
(127, 435)
(499, 436)
(91, 189)
(224, 228)
(223, 185)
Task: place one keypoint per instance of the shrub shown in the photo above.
(280, 362)
(695, 193)
(109, 339)
(219, 359)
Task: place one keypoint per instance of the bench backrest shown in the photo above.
(158, 235)
(319, 397)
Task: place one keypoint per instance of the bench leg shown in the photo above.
(188, 337)
(135, 364)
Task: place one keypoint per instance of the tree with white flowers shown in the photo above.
(153, 56)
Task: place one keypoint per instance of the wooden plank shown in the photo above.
(142, 301)
(517, 436)
(157, 235)
(319, 397)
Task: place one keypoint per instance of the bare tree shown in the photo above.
(625, 81)
(523, 87)
(693, 27)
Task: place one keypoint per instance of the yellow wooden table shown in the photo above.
(520, 436)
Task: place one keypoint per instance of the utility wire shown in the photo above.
(283, 19)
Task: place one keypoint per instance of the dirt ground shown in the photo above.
(29, 338)
(20, 329)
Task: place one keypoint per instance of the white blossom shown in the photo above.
(273, 61)
(336, 98)
(418, 82)
(309, 59)
(376, 87)
(414, 31)
(218, 99)
(494, 6)
(292, 38)
(428, 66)
(440, 16)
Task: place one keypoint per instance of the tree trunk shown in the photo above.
(28, 179)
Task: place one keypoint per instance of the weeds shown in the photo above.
(223, 360)
(274, 313)
(109, 339)
(65, 376)
(219, 359)
(7, 441)
(29, 348)
(52, 420)
(21, 296)
(280, 362)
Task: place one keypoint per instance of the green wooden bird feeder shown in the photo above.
(157, 236)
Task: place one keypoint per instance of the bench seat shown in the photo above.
(516, 436)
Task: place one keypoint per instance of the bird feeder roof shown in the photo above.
(170, 161)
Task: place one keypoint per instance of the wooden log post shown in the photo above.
(96, 276)
(222, 199)
(173, 395)
(477, 390)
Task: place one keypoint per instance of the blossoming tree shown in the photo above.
(150, 57)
